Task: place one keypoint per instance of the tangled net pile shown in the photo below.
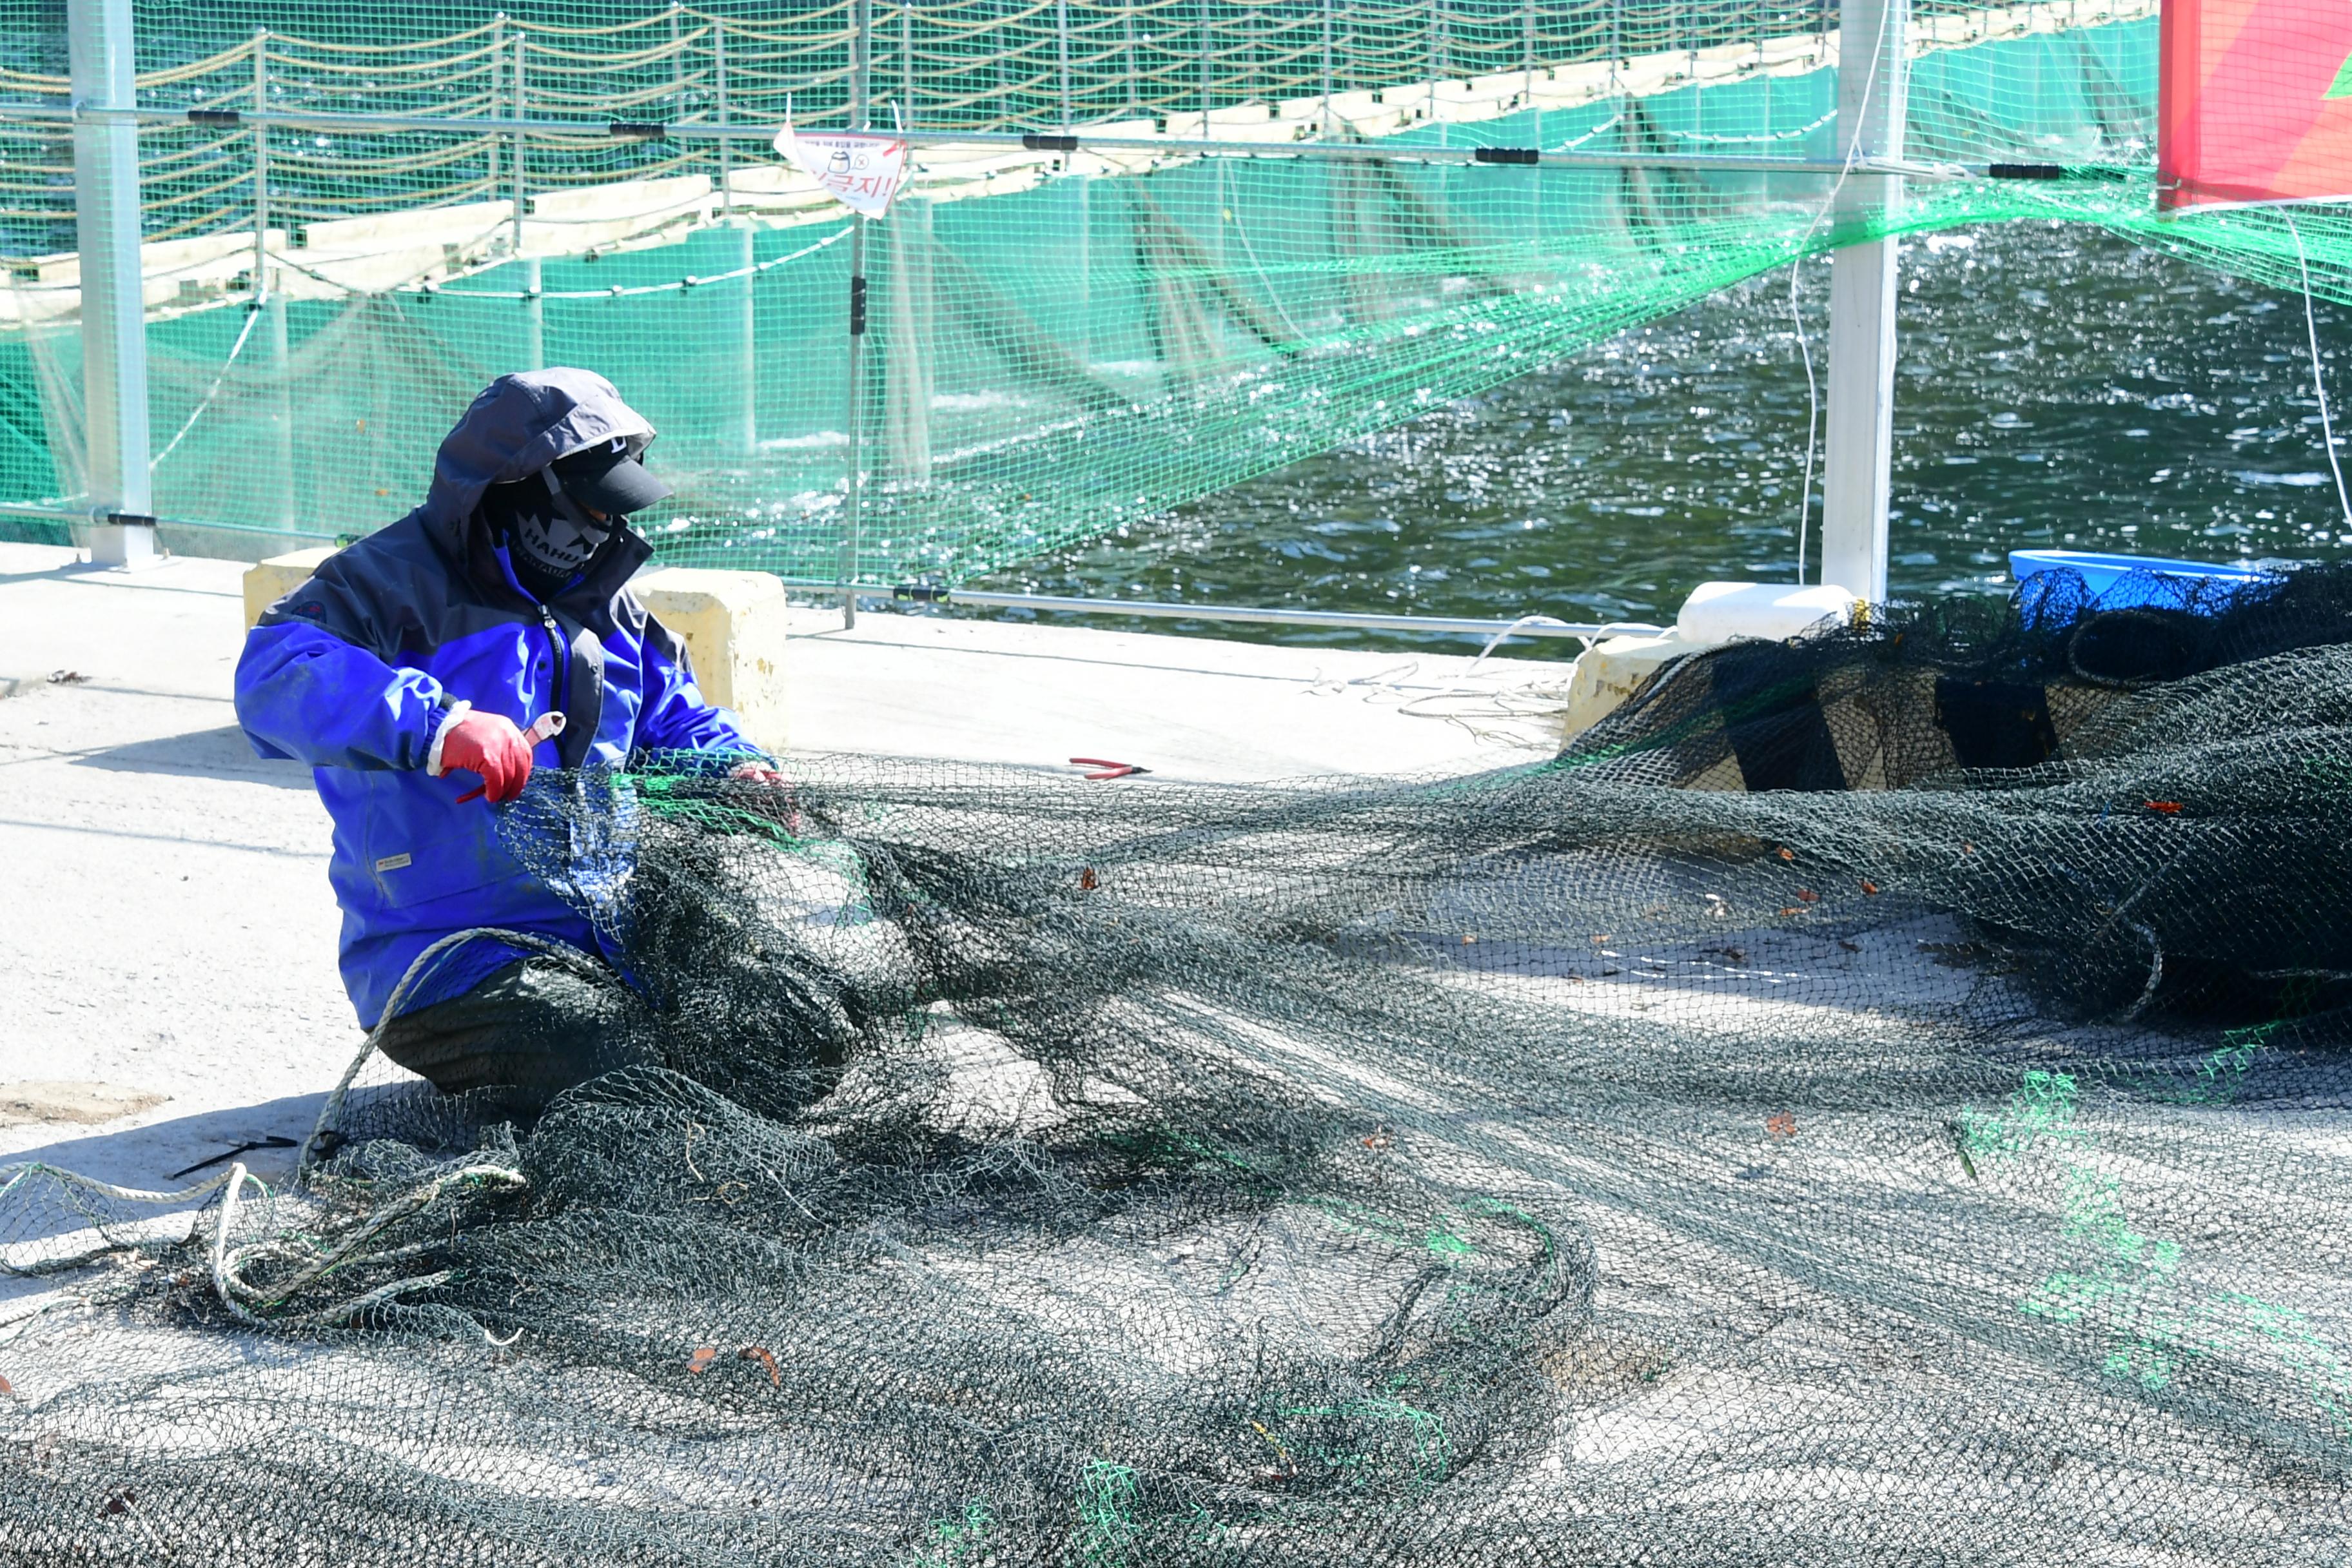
(1874, 1100)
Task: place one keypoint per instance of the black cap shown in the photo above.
(606, 478)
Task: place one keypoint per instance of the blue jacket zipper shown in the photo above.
(561, 656)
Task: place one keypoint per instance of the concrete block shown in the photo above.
(267, 582)
(1611, 672)
(732, 623)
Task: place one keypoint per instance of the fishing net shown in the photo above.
(1057, 343)
(1878, 1098)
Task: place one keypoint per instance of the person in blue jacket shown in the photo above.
(424, 671)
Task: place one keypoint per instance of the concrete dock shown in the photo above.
(167, 936)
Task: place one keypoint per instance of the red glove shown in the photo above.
(756, 773)
(491, 745)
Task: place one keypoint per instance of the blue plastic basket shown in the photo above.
(2116, 582)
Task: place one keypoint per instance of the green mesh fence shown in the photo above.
(1059, 342)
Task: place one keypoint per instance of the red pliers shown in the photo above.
(1106, 769)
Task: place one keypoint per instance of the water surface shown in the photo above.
(2057, 386)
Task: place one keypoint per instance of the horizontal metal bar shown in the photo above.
(924, 594)
(36, 512)
(1179, 146)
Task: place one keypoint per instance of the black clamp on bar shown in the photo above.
(2055, 172)
(639, 129)
(857, 305)
(129, 519)
(1504, 155)
(1037, 144)
(214, 117)
(920, 593)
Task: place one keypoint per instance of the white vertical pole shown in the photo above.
(534, 314)
(1436, 53)
(1062, 54)
(281, 404)
(1205, 36)
(1528, 52)
(907, 64)
(853, 522)
(521, 200)
(726, 113)
(1871, 91)
(496, 69)
(260, 291)
(743, 433)
(265, 299)
(113, 311)
(1326, 68)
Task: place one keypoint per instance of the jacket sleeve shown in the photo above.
(673, 717)
(304, 693)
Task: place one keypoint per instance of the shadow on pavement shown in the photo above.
(144, 1157)
(222, 754)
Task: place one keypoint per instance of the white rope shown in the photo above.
(227, 1265)
(251, 316)
(1712, 140)
(1497, 640)
(417, 969)
(620, 291)
(2318, 375)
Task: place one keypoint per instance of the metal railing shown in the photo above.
(1157, 609)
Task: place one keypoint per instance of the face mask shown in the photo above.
(559, 538)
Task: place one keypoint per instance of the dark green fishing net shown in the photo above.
(1874, 1099)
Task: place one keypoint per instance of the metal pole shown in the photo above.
(114, 311)
(475, 127)
(1062, 54)
(907, 60)
(534, 316)
(498, 68)
(860, 61)
(1437, 51)
(265, 299)
(1204, 70)
(1527, 52)
(744, 435)
(926, 593)
(1871, 91)
(1127, 46)
(726, 143)
(260, 291)
(520, 200)
(281, 404)
(1326, 68)
(676, 67)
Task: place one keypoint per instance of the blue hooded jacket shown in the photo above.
(355, 671)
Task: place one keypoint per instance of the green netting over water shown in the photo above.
(1058, 345)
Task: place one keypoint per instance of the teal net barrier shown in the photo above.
(1060, 342)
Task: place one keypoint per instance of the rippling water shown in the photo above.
(2057, 387)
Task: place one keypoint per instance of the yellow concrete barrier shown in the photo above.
(267, 582)
(1611, 672)
(733, 627)
(732, 623)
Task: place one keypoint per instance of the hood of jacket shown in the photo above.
(518, 424)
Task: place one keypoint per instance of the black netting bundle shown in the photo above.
(1874, 1099)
